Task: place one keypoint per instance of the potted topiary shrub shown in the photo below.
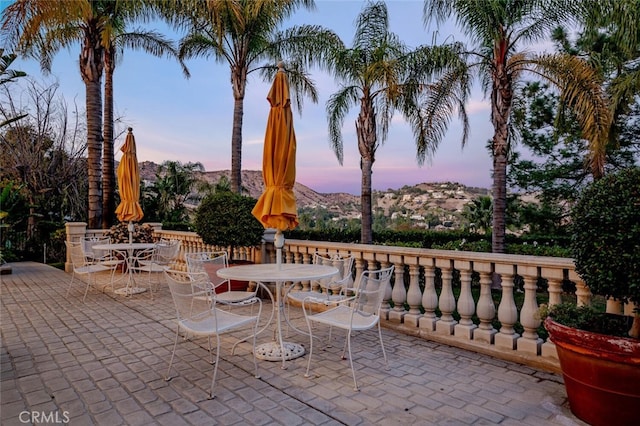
(601, 371)
(224, 219)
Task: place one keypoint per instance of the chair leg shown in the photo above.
(73, 275)
(255, 359)
(310, 344)
(175, 345)
(353, 371)
(86, 290)
(210, 350)
(344, 348)
(384, 353)
(215, 367)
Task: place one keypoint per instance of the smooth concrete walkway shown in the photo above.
(103, 362)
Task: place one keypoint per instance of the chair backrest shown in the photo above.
(191, 302)
(89, 242)
(167, 251)
(344, 264)
(370, 290)
(76, 253)
(209, 262)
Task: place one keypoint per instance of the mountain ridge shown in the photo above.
(442, 199)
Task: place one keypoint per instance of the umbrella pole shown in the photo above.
(278, 242)
(130, 228)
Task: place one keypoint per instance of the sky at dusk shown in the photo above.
(189, 120)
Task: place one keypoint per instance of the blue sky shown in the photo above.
(190, 120)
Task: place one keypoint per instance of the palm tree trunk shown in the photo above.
(366, 232)
(238, 81)
(108, 173)
(502, 97)
(91, 65)
(366, 130)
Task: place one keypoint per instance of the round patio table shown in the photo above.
(280, 274)
(127, 250)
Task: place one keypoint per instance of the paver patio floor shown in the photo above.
(103, 362)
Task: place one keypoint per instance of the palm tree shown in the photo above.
(151, 42)
(502, 30)
(243, 33)
(478, 213)
(41, 28)
(381, 75)
(174, 183)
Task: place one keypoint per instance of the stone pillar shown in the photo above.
(75, 232)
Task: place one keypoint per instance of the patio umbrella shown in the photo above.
(276, 207)
(129, 184)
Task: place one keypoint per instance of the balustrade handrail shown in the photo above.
(422, 308)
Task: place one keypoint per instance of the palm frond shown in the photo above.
(581, 90)
(338, 107)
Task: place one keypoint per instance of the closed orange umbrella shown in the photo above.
(129, 182)
(276, 207)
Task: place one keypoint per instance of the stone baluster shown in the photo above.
(466, 305)
(554, 278)
(614, 306)
(399, 291)
(529, 317)
(414, 295)
(360, 264)
(447, 301)
(386, 305)
(486, 309)
(583, 294)
(306, 285)
(507, 310)
(429, 297)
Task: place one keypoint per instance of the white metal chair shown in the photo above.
(325, 289)
(360, 311)
(210, 262)
(328, 288)
(84, 266)
(156, 260)
(89, 242)
(199, 316)
(104, 257)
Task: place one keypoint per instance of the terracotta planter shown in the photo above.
(601, 375)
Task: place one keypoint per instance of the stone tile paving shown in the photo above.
(103, 362)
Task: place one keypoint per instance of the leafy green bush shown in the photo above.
(224, 219)
(587, 318)
(606, 235)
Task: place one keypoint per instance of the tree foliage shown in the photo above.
(501, 33)
(245, 35)
(224, 219)
(379, 75)
(605, 233)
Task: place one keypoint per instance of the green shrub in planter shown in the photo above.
(224, 219)
(605, 239)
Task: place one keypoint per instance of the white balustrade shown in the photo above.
(419, 303)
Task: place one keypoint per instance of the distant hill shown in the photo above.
(252, 182)
(445, 200)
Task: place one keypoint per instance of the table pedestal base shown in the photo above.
(128, 291)
(271, 351)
